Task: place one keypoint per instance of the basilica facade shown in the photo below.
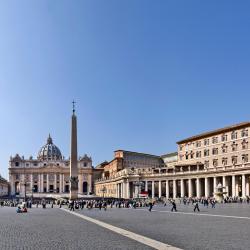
(48, 175)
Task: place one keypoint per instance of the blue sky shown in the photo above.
(145, 74)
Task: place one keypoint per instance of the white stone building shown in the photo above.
(48, 174)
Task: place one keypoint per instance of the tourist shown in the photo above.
(196, 206)
(173, 206)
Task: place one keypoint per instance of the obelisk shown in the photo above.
(73, 158)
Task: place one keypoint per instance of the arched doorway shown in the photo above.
(85, 187)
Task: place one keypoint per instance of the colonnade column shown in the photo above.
(247, 186)
(233, 185)
(159, 189)
(174, 189)
(223, 183)
(182, 188)
(243, 186)
(190, 188)
(146, 186)
(215, 184)
(153, 189)
(167, 190)
(198, 190)
(63, 186)
(206, 187)
(128, 191)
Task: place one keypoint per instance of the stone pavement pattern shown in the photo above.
(182, 230)
(55, 229)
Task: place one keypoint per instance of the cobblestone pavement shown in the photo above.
(55, 229)
(186, 231)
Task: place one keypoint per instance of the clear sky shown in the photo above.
(144, 74)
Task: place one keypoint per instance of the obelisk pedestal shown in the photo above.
(73, 158)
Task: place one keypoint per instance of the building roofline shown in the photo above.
(170, 154)
(126, 151)
(215, 132)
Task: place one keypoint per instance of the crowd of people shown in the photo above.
(118, 203)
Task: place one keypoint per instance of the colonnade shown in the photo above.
(233, 185)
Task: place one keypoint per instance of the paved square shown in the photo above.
(225, 227)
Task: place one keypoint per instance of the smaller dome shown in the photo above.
(49, 151)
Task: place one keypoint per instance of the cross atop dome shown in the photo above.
(49, 140)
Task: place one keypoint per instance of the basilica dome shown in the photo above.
(49, 151)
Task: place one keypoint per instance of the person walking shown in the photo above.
(196, 206)
(173, 206)
(150, 206)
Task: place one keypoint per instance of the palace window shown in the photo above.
(17, 176)
(245, 158)
(181, 157)
(224, 161)
(198, 154)
(186, 156)
(234, 160)
(224, 148)
(206, 164)
(215, 139)
(17, 164)
(192, 154)
(215, 151)
(206, 152)
(85, 164)
(245, 144)
(234, 135)
(180, 147)
(234, 146)
(244, 133)
(206, 142)
(224, 137)
(215, 162)
(198, 144)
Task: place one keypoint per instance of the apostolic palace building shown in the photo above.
(203, 162)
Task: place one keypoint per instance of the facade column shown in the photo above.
(63, 185)
(174, 189)
(215, 185)
(159, 189)
(146, 186)
(198, 190)
(55, 182)
(31, 183)
(233, 185)
(47, 188)
(42, 183)
(243, 186)
(190, 188)
(167, 189)
(153, 189)
(206, 188)
(182, 188)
